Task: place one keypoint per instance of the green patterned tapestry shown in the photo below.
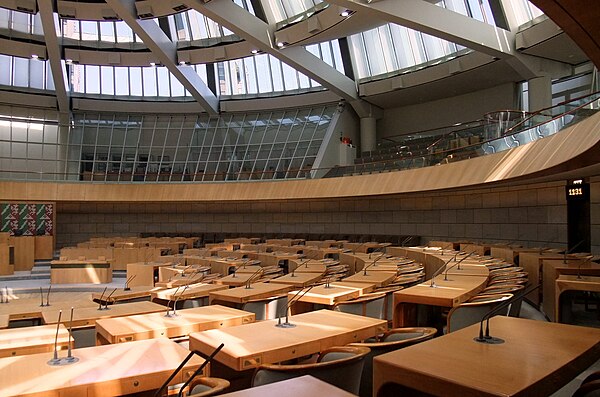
(27, 219)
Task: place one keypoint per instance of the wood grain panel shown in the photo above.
(573, 148)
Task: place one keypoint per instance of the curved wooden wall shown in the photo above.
(572, 148)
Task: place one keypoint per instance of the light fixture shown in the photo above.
(34, 56)
(281, 44)
(255, 51)
(345, 13)
(69, 61)
(152, 63)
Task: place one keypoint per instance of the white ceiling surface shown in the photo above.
(541, 48)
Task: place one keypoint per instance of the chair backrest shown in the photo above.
(391, 340)
(388, 301)
(590, 387)
(340, 366)
(469, 313)
(267, 308)
(369, 305)
(205, 386)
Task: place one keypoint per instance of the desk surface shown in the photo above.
(30, 308)
(380, 279)
(102, 371)
(300, 279)
(28, 340)
(122, 295)
(302, 386)
(156, 325)
(537, 358)
(243, 294)
(194, 291)
(86, 317)
(336, 292)
(247, 346)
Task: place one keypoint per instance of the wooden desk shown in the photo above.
(298, 280)
(144, 273)
(573, 283)
(156, 325)
(552, 269)
(380, 279)
(102, 371)
(30, 340)
(76, 271)
(532, 263)
(247, 346)
(86, 317)
(135, 293)
(180, 280)
(302, 386)
(337, 292)
(26, 309)
(195, 291)
(243, 294)
(461, 285)
(536, 360)
(237, 279)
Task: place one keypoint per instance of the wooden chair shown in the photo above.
(340, 366)
(391, 340)
(472, 312)
(205, 386)
(369, 305)
(590, 387)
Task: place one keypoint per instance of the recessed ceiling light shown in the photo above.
(34, 56)
(256, 51)
(345, 13)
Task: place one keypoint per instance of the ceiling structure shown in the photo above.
(499, 55)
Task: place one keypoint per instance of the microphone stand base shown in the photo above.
(490, 340)
(69, 360)
(285, 325)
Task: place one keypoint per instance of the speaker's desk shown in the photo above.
(80, 271)
(247, 346)
(460, 286)
(380, 279)
(30, 340)
(333, 293)
(536, 359)
(157, 325)
(102, 371)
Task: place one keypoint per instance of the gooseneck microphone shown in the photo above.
(70, 358)
(55, 360)
(180, 367)
(457, 265)
(42, 297)
(199, 370)
(252, 277)
(177, 299)
(588, 260)
(406, 240)
(372, 263)
(438, 272)
(571, 250)
(169, 302)
(107, 299)
(102, 296)
(130, 279)
(297, 297)
(486, 317)
(48, 295)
